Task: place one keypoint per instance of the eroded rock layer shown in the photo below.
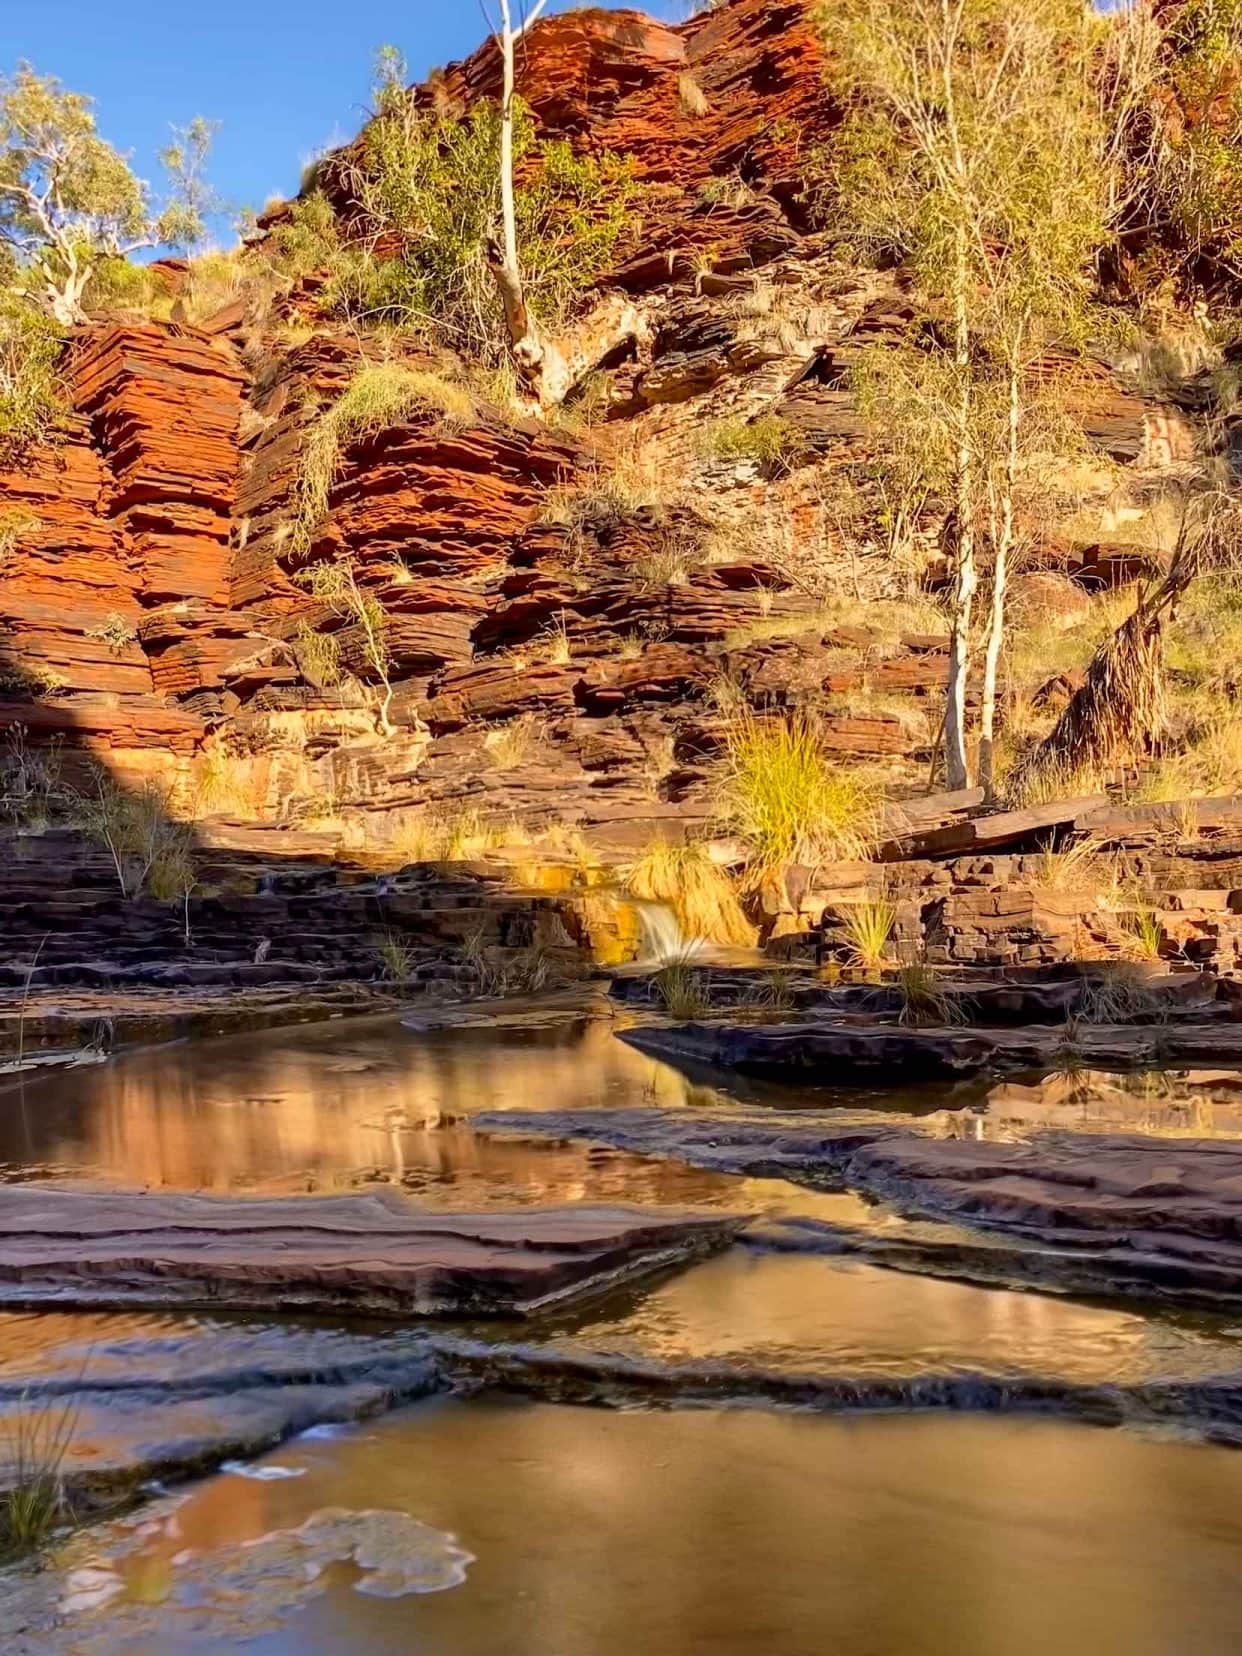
(364, 1253)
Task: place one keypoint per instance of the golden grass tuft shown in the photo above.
(381, 394)
(1071, 868)
(699, 892)
(868, 927)
(786, 798)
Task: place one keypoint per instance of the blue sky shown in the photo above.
(283, 77)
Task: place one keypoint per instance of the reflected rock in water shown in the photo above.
(250, 1587)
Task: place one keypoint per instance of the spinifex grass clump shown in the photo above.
(868, 927)
(787, 799)
(925, 1002)
(1070, 868)
(396, 958)
(379, 395)
(699, 892)
(1144, 934)
(32, 1485)
(680, 988)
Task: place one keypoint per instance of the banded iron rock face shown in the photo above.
(543, 669)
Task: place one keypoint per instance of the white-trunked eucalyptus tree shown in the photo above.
(976, 149)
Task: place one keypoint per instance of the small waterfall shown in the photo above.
(660, 935)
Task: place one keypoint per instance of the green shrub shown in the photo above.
(771, 440)
(1197, 179)
(423, 204)
(32, 401)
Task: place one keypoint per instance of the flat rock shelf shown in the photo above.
(370, 1254)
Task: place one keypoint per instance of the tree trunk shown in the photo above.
(64, 296)
(1000, 579)
(524, 340)
(966, 576)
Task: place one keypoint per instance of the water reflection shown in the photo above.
(330, 1106)
(325, 1107)
(794, 1314)
(1167, 1103)
(688, 1534)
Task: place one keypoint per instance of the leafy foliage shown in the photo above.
(68, 199)
(31, 397)
(1195, 181)
(337, 588)
(975, 149)
(771, 440)
(421, 204)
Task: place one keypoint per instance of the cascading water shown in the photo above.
(660, 935)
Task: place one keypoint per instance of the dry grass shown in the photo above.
(699, 892)
(1069, 868)
(624, 479)
(444, 835)
(786, 798)
(493, 973)
(509, 745)
(149, 847)
(1116, 994)
(691, 97)
(396, 959)
(555, 641)
(226, 782)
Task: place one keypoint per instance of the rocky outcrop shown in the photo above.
(365, 1254)
(1077, 1213)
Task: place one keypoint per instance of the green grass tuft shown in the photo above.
(381, 394)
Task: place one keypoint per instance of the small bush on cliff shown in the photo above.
(1193, 177)
(787, 799)
(31, 395)
(148, 846)
(770, 440)
(381, 394)
(337, 588)
(423, 211)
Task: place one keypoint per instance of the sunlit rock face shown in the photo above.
(149, 610)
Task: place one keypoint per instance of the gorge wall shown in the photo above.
(549, 663)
